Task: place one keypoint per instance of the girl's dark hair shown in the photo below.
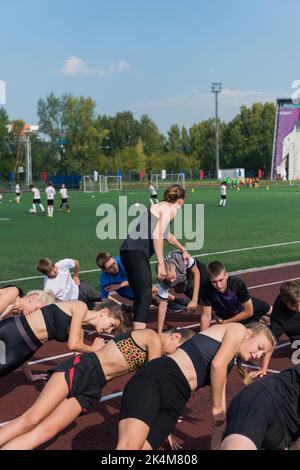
(173, 193)
(115, 312)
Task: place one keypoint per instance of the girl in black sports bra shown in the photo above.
(156, 396)
(76, 385)
(22, 336)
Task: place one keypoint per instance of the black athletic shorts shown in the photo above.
(50, 202)
(253, 414)
(223, 197)
(36, 201)
(64, 201)
(156, 395)
(85, 379)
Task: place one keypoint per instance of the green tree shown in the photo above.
(149, 133)
(174, 139)
(75, 133)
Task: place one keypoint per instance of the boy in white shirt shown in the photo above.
(223, 191)
(36, 200)
(59, 280)
(153, 194)
(18, 193)
(64, 198)
(50, 192)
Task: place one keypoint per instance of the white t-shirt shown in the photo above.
(18, 190)
(63, 193)
(63, 286)
(223, 190)
(50, 191)
(36, 193)
(152, 190)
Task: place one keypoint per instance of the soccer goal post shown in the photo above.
(90, 185)
(166, 179)
(114, 183)
(103, 184)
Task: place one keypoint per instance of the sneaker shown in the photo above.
(183, 301)
(175, 307)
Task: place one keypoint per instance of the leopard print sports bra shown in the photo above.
(135, 357)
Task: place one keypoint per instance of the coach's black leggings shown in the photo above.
(138, 271)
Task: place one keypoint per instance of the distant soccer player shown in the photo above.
(36, 199)
(50, 192)
(64, 198)
(18, 193)
(1, 197)
(223, 191)
(153, 194)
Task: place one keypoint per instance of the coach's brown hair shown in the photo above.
(173, 193)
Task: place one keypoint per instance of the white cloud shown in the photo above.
(75, 66)
(242, 93)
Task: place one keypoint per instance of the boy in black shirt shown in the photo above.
(285, 318)
(229, 298)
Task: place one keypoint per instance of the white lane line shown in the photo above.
(284, 345)
(46, 359)
(103, 399)
(237, 250)
(273, 283)
(272, 371)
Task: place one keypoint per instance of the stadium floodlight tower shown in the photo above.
(216, 88)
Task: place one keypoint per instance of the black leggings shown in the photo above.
(18, 344)
(156, 395)
(138, 271)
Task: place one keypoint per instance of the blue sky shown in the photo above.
(155, 57)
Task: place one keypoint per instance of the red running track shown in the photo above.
(97, 430)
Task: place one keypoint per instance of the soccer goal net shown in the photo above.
(159, 180)
(90, 185)
(114, 183)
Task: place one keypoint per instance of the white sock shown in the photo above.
(42, 207)
(49, 210)
(33, 208)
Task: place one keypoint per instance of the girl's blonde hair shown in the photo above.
(257, 329)
(46, 297)
(115, 312)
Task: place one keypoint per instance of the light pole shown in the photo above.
(216, 88)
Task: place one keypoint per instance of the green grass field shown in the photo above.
(251, 218)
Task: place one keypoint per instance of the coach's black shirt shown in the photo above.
(229, 303)
(285, 320)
